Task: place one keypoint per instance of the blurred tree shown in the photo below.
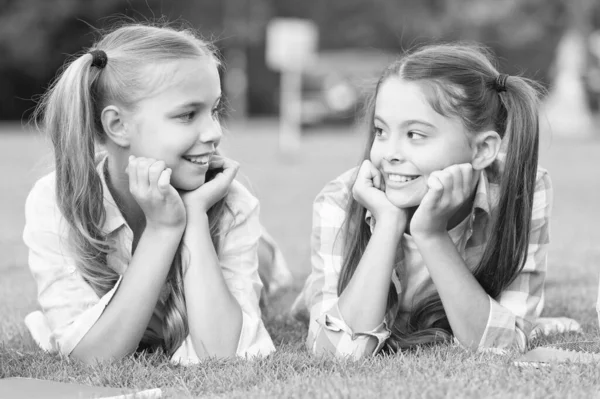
(36, 35)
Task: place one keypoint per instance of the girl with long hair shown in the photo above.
(442, 232)
(151, 242)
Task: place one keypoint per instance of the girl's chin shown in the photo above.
(188, 185)
(404, 201)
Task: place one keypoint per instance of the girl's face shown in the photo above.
(412, 140)
(178, 123)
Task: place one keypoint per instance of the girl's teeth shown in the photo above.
(401, 179)
(199, 160)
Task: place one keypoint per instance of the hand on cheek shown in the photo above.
(150, 186)
(369, 191)
(204, 197)
(448, 190)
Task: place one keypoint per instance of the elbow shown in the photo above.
(94, 355)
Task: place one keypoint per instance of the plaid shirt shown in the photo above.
(512, 313)
(70, 306)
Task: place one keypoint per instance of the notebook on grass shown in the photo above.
(574, 352)
(33, 388)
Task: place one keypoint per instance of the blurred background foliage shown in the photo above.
(37, 36)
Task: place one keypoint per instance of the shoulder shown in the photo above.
(337, 192)
(42, 196)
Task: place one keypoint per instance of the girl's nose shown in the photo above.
(394, 153)
(211, 132)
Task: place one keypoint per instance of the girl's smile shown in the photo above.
(179, 124)
(412, 140)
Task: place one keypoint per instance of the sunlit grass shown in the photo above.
(286, 185)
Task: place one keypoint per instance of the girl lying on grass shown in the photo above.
(443, 230)
(152, 243)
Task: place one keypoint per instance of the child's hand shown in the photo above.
(204, 197)
(369, 191)
(149, 183)
(448, 190)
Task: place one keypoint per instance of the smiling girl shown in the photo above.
(151, 243)
(443, 230)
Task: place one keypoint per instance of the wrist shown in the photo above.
(197, 224)
(428, 237)
(394, 223)
(165, 231)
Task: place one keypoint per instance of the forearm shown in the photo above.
(363, 302)
(465, 302)
(121, 326)
(214, 315)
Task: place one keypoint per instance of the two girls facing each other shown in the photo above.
(154, 243)
(443, 230)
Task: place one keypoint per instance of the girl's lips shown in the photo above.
(400, 181)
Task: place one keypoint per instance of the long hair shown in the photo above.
(458, 80)
(70, 113)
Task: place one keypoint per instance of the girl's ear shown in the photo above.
(115, 126)
(487, 146)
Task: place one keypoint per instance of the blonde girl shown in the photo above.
(443, 230)
(151, 243)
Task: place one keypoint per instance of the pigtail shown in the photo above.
(67, 115)
(508, 239)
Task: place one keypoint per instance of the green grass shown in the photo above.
(286, 186)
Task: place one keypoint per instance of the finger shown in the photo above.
(446, 179)
(216, 162)
(143, 166)
(230, 169)
(467, 175)
(155, 171)
(457, 179)
(377, 182)
(164, 181)
(132, 172)
(368, 172)
(434, 193)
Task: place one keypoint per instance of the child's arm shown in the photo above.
(353, 324)
(222, 294)
(476, 319)
(82, 324)
(222, 291)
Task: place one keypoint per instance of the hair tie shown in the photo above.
(500, 82)
(99, 58)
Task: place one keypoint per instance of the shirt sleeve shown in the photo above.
(238, 257)
(513, 313)
(70, 306)
(328, 332)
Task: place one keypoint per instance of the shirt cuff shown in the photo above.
(351, 342)
(501, 330)
(65, 339)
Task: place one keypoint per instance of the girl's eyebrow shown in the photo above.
(407, 123)
(417, 122)
(197, 104)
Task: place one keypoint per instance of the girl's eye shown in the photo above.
(188, 116)
(378, 131)
(415, 136)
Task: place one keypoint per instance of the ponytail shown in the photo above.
(506, 249)
(67, 115)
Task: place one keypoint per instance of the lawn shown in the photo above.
(286, 186)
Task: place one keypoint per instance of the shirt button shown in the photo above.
(71, 269)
